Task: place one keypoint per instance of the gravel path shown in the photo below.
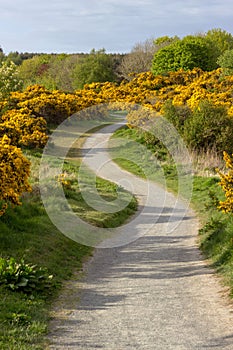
(155, 293)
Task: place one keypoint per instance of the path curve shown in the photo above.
(156, 293)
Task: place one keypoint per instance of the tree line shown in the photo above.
(69, 72)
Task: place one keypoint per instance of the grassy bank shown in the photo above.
(27, 232)
(216, 234)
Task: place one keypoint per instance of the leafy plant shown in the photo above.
(209, 127)
(226, 62)
(188, 53)
(24, 277)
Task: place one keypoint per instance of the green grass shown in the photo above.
(216, 234)
(108, 192)
(27, 232)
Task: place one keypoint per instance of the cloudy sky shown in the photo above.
(116, 25)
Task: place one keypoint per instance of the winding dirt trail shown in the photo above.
(155, 293)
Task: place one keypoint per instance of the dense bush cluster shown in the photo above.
(24, 120)
(184, 88)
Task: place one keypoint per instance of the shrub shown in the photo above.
(209, 127)
(14, 174)
(177, 115)
(226, 62)
(24, 129)
(22, 277)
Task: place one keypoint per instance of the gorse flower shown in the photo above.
(14, 174)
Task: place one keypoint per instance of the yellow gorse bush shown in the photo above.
(182, 87)
(25, 114)
(23, 128)
(14, 173)
(227, 185)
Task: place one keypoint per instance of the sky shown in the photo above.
(73, 26)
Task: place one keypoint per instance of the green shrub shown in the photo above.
(209, 127)
(188, 53)
(226, 62)
(177, 115)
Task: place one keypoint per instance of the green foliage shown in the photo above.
(14, 57)
(2, 55)
(32, 69)
(22, 277)
(188, 53)
(225, 61)
(177, 115)
(220, 39)
(165, 40)
(209, 127)
(62, 71)
(96, 67)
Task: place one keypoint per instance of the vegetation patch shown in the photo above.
(216, 234)
(36, 258)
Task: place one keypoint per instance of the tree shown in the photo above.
(188, 53)
(2, 56)
(221, 39)
(225, 61)
(140, 58)
(32, 70)
(165, 40)
(60, 72)
(14, 57)
(96, 67)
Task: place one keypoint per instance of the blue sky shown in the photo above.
(116, 25)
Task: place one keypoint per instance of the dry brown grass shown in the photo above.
(206, 162)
